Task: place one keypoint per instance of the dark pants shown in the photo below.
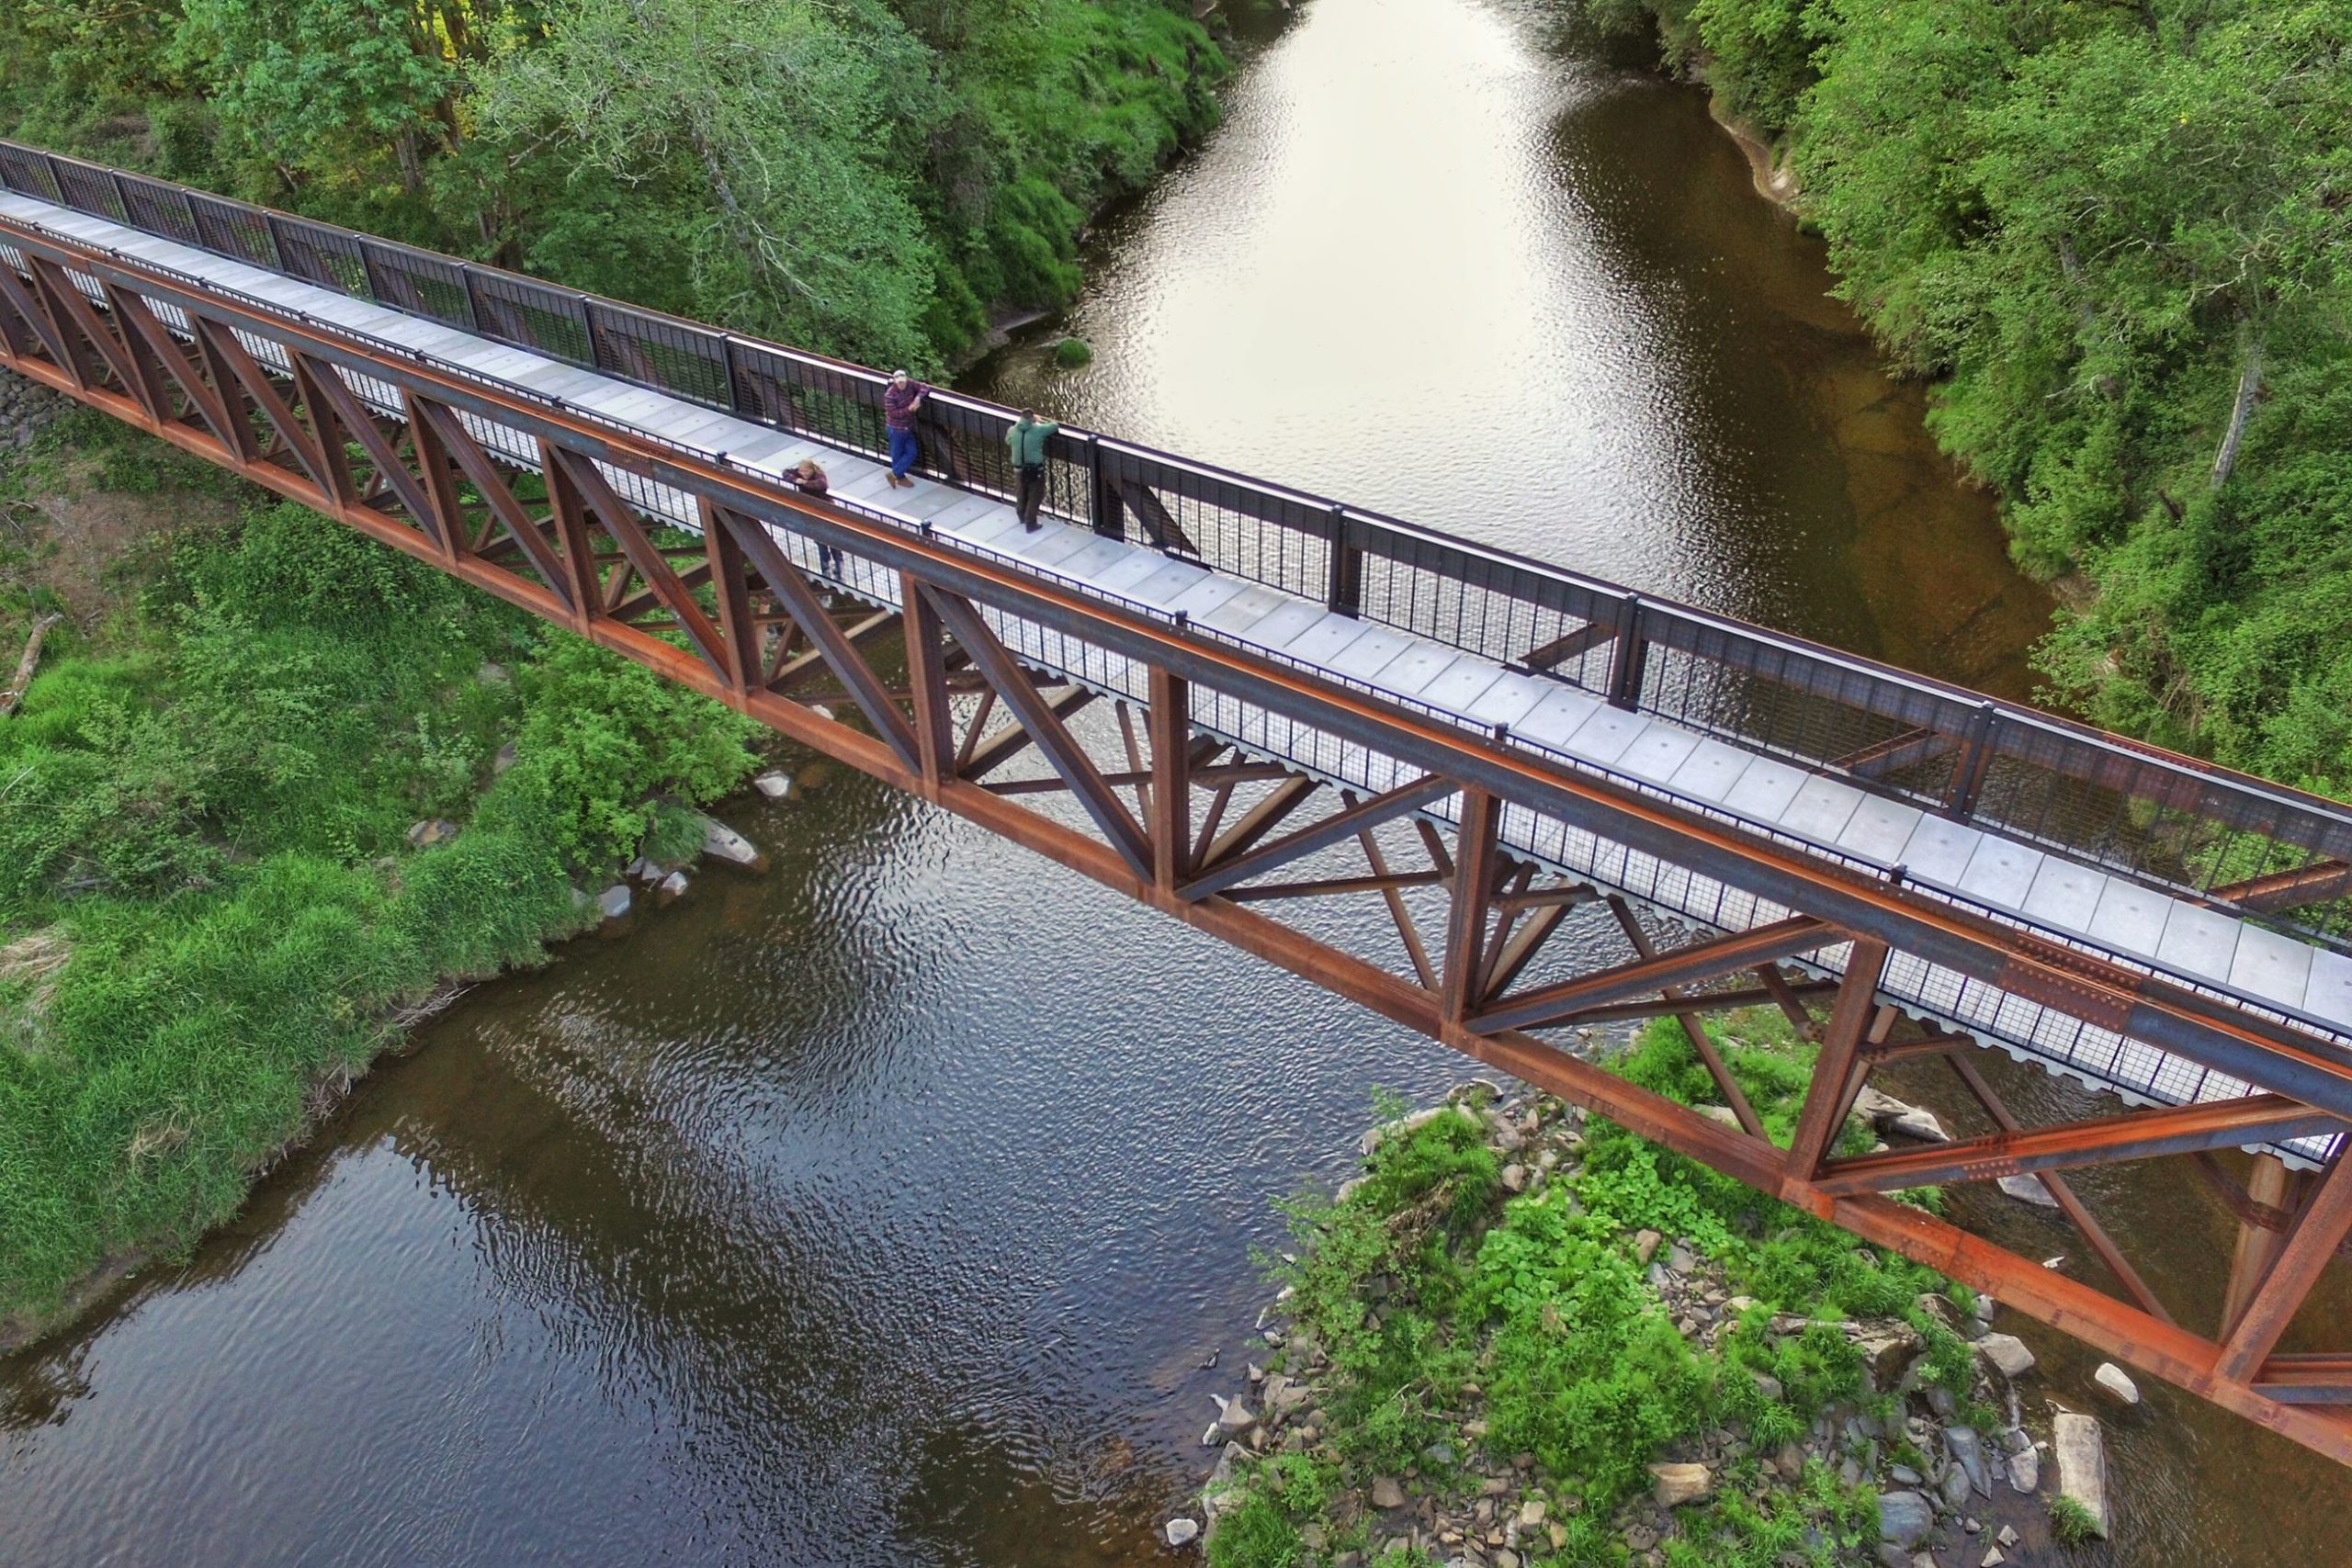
(903, 452)
(829, 560)
(1033, 493)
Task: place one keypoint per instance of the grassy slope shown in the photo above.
(206, 808)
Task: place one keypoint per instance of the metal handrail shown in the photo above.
(2190, 828)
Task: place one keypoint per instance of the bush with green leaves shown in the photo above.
(1428, 1278)
(196, 816)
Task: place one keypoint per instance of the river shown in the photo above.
(882, 1210)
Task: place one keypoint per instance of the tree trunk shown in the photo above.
(2249, 384)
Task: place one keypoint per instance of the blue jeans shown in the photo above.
(903, 452)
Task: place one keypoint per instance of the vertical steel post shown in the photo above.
(1474, 860)
(927, 681)
(1171, 824)
(1630, 657)
(1343, 591)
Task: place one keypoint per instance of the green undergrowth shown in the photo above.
(1436, 1295)
(208, 903)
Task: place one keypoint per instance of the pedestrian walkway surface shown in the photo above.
(2081, 905)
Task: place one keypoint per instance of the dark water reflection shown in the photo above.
(883, 1210)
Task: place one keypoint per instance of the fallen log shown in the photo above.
(24, 677)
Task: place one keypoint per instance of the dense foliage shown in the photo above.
(867, 177)
(206, 904)
(1426, 1281)
(2119, 232)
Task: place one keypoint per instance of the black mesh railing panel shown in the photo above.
(1451, 593)
(661, 352)
(531, 315)
(86, 189)
(834, 405)
(29, 173)
(327, 257)
(1225, 523)
(235, 229)
(419, 282)
(158, 208)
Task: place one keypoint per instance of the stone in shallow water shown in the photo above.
(2081, 1451)
(614, 901)
(2117, 1383)
(1183, 1532)
(2026, 1190)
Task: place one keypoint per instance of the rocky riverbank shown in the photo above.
(1524, 1338)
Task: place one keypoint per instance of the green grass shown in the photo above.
(206, 816)
(2071, 1523)
(1540, 1301)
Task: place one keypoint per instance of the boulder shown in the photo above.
(1888, 1114)
(673, 887)
(2008, 1352)
(1645, 1245)
(1531, 1513)
(1955, 1488)
(1887, 1348)
(2025, 1470)
(1723, 1113)
(2027, 1189)
(1967, 1452)
(492, 674)
(504, 759)
(614, 901)
(2117, 1383)
(1904, 1518)
(721, 843)
(773, 784)
(2081, 1452)
(1183, 1532)
(1235, 1419)
(1674, 1484)
(1387, 1494)
(1375, 1136)
(1514, 1178)
(431, 831)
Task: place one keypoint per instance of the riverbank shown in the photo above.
(2164, 417)
(272, 791)
(1524, 1337)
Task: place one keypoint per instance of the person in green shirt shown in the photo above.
(1027, 440)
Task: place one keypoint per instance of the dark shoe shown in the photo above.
(1029, 527)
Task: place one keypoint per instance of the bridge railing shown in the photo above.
(2256, 849)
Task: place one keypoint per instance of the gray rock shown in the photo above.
(1904, 1518)
(1904, 1475)
(1183, 1532)
(1994, 1557)
(431, 831)
(1955, 1488)
(2025, 1470)
(1645, 1245)
(673, 887)
(2027, 1189)
(721, 843)
(2008, 1352)
(2081, 1452)
(1387, 1494)
(774, 785)
(1967, 1452)
(2117, 1383)
(504, 759)
(1514, 1178)
(614, 901)
(1235, 1419)
(1893, 1556)
(1679, 1260)
(493, 675)
(1887, 1348)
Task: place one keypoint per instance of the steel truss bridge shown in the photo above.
(1295, 701)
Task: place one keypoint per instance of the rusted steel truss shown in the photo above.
(939, 688)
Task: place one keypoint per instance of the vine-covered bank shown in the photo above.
(2119, 237)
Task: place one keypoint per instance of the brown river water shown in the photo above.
(881, 1210)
